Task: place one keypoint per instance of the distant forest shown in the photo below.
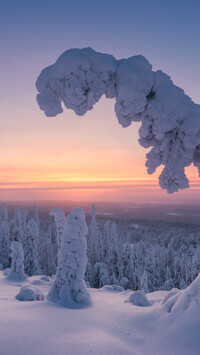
(149, 256)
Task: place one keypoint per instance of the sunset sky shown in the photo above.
(92, 157)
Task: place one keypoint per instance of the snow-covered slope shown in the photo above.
(109, 326)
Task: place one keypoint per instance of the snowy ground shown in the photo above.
(109, 326)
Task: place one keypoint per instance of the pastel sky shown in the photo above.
(92, 157)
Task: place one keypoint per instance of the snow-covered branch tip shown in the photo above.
(170, 120)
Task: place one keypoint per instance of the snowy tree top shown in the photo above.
(76, 221)
(170, 121)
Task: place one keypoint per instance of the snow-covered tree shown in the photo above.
(113, 255)
(3, 214)
(4, 245)
(17, 265)
(94, 240)
(16, 227)
(105, 239)
(36, 217)
(126, 269)
(170, 123)
(196, 263)
(69, 287)
(47, 262)
(101, 276)
(4, 238)
(59, 218)
(24, 214)
(89, 277)
(144, 282)
(151, 267)
(30, 249)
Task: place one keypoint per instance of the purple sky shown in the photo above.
(32, 35)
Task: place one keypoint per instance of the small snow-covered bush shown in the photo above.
(139, 298)
(28, 293)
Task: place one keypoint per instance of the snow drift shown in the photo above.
(170, 121)
(179, 301)
(109, 326)
(28, 293)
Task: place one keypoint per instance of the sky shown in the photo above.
(92, 157)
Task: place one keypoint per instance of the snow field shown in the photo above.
(109, 326)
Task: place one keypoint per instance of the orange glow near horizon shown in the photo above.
(69, 158)
(28, 184)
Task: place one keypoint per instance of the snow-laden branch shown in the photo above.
(170, 121)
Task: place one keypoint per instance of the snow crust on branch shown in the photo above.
(170, 120)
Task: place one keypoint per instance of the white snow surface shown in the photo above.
(109, 326)
(170, 120)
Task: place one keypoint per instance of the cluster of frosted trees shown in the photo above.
(134, 259)
(23, 241)
(141, 259)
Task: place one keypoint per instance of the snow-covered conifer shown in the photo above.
(101, 276)
(59, 218)
(69, 287)
(4, 245)
(4, 214)
(17, 265)
(30, 249)
(89, 277)
(24, 214)
(144, 282)
(94, 240)
(48, 264)
(16, 227)
(126, 269)
(196, 263)
(4, 238)
(36, 216)
(113, 254)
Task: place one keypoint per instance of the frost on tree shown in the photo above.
(170, 121)
(69, 288)
(17, 265)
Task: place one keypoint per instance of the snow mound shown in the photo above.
(179, 301)
(170, 121)
(38, 282)
(28, 293)
(45, 278)
(139, 298)
(112, 288)
(14, 276)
